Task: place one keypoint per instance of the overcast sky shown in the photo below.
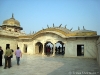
(34, 15)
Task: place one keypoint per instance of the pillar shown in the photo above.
(62, 47)
(53, 49)
(43, 49)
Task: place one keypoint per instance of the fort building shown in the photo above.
(78, 43)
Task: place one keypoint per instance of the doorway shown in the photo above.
(7, 46)
(80, 50)
(25, 48)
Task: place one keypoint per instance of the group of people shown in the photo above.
(8, 55)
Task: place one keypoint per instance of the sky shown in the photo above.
(34, 15)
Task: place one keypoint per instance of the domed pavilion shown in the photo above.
(11, 25)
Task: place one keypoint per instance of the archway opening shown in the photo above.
(59, 48)
(48, 48)
(38, 48)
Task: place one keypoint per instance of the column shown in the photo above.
(43, 49)
(62, 49)
(53, 49)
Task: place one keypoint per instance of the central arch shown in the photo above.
(48, 48)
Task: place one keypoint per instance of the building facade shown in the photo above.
(76, 43)
(98, 51)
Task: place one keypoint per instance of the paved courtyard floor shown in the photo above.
(43, 65)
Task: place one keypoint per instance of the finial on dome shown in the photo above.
(65, 25)
(53, 24)
(78, 28)
(33, 32)
(47, 26)
(71, 29)
(60, 25)
(83, 28)
(12, 15)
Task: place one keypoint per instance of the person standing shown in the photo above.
(48, 51)
(11, 57)
(8, 54)
(1, 53)
(18, 54)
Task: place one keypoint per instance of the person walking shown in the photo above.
(1, 53)
(18, 54)
(7, 56)
(11, 57)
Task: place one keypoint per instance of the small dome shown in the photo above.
(11, 22)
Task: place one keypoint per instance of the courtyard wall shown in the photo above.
(6, 40)
(90, 50)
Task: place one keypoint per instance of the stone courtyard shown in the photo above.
(58, 65)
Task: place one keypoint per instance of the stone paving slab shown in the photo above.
(43, 65)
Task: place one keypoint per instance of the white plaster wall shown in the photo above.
(30, 48)
(98, 47)
(33, 46)
(70, 49)
(4, 40)
(90, 50)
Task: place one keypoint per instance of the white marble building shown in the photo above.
(78, 43)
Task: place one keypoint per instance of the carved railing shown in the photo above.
(4, 32)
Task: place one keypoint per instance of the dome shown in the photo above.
(11, 22)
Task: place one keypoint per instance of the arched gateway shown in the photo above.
(54, 41)
(49, 44)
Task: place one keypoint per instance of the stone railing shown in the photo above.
(9, 33)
